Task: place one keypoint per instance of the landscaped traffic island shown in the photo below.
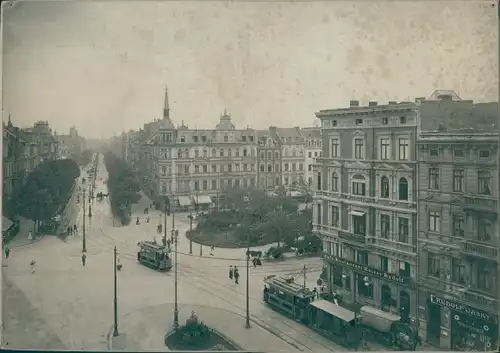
(246, 217)
(196, 336)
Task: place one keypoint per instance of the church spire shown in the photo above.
(166, 107)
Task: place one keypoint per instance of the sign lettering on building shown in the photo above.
(463, 308)
(367, 270)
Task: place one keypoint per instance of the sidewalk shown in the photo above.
(21, 238)
(145, 329)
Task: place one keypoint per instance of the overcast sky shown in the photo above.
(103, 66)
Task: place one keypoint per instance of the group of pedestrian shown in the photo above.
(72, 230)
(234, 273)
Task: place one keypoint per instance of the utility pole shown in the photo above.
(190, 230)
(165, 221)
(84, 242)
(305, 275)
(176, 304)
(248, 285)
(115, 330)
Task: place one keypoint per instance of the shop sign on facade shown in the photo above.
(367, 269)
(480, 314)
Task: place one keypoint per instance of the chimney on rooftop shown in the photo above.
(445, 97)
(392, 103)
(353, 104)
(372, 104)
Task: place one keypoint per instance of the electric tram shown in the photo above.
(154, 255)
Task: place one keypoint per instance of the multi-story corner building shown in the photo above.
(365, 206)
(458, 223)
(313, 150)
(194, 165)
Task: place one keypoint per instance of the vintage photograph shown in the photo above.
(256, 176)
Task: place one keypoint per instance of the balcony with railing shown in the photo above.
(475, 248)
(480, 203)
(389, 244)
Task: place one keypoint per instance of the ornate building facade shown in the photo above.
(458, 223)
(365, 205)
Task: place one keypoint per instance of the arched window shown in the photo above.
(164, 170)
(229, 152)
(318, 182)
(286, 152)
(205, 153)
(294, 153)
(163, 188)
(335, 182)
(386, 297)
(196, 153)
(358, 185)
(308, 143)
(179, 153)
(245, 152)
(214, 152)
(269, 168)
(403, 189)
(186, 153)
(237, 153)
(221, 152)
(384, 187)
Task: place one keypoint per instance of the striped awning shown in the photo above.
(202, 199)
(185, 201)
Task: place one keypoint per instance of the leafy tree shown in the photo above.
(123, 185)
(46, 191)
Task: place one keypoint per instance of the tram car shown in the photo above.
(154, 255)
(333, 321)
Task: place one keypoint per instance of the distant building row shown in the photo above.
(181, 162)
(406, 204)
(25, 148)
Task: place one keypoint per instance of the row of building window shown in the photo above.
(359, 186)
(286, 167)
(314, 143)
(483, 180)
(479, 275)
(286, 153)
(210, 184)
(185, 153)
(459, 153)
(167, 137)
(186, 169)
(384, 151)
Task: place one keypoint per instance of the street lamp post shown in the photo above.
(176, 304)
(115, 329)
(305, 275)
(84, 240)
(190, 230)
(247, 324)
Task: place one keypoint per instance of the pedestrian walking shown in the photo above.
(231, 272)
(254, 261)
(212, 248)
(7, 252)
(30, 234)
(68, 230)
(236, 275)
(84, 259)
(32, 264)
(75, 228)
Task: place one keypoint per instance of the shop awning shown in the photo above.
(202, 199)
(357, 213)
(335, 310)
(6, 223)
(185, 201)
(295, 194)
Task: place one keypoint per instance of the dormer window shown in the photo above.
(250, 138)
(359, 121)
(226, 138)
(195, 138)
(402, 119)
(203, 139)
(334, 122)
(183, 139)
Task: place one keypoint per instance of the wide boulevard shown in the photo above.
(66, 305)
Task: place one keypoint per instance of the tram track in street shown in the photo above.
(210, 287)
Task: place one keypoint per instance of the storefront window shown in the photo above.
(365, 287)
(337, 276)
(386, 297)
